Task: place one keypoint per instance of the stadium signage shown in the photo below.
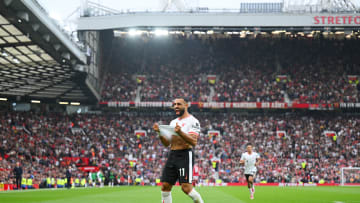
(117, 104)
(89, 169)
(349, 105)
(234, 105)
(336, 20)
(297, 184)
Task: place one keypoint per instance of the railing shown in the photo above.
(95, 12)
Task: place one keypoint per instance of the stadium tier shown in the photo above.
(125, 145)
(299, 70)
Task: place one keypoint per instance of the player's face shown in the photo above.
(179, 106)
(249, 148)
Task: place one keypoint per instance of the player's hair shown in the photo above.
(183, 98)
(249, 144)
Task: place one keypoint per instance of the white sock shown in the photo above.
(166, 197)
(195, 196)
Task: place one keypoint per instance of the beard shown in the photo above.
(181, 112)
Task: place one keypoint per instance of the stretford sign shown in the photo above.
(194, 20)
(234, 105)
(337, 20)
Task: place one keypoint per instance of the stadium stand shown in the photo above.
(245, 70)
(47, 143)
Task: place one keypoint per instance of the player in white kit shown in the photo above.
(180, 163)
(250, 159)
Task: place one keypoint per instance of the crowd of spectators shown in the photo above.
(316, 70)
(42, 141)
(119, 87)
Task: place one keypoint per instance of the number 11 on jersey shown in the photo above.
(182, 171)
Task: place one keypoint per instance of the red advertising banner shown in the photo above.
(78, 160)
(329, 133)
(89, 169)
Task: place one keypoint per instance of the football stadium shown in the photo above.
(180, 101)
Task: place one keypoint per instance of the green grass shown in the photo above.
(210, 195)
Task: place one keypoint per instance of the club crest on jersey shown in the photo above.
(196, 126)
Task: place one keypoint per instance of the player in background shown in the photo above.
(179, 165)
(111, 179)
(100, 177)
(250, 159)
(93, 178)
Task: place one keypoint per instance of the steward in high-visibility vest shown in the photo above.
(23, 183)
(83, 182)
(53, 182)
(138, 181)
(29, 183)
(48, 182)
(65, 182)
(303, 165)
(214, 164)
(59, 183)
(77, 182)
(218, 181)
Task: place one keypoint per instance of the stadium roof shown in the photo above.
(271, 14)
(37, 60)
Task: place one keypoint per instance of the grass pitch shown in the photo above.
(139, 194)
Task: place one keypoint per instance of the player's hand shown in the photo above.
(177, 128)
(156, 127)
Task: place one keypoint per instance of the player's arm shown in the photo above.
(163, 140)
(190, 138)
(258, 160)
(242, 160)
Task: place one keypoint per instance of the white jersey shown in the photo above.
(189, 125)
(250, 160)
